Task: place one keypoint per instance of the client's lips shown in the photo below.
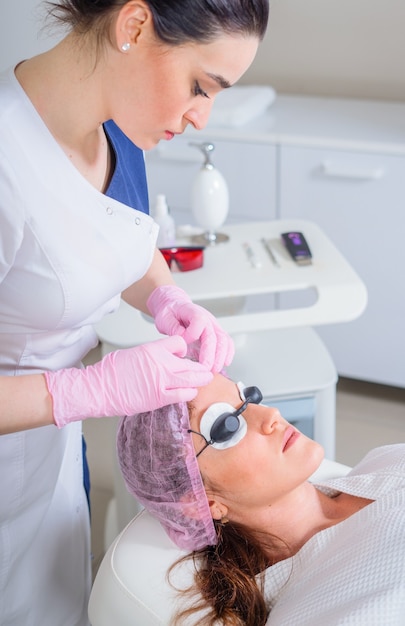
(290, 437)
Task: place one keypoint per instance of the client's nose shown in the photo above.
(270, 419)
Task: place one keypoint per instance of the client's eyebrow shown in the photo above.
(191, 409)
(222, 82)
(194, 414)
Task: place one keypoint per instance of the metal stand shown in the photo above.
(209, 239)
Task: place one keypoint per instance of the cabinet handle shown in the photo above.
(341, 171)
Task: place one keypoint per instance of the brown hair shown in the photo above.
(229, 577)
(175, 21)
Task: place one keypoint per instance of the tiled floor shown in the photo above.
(367, 416)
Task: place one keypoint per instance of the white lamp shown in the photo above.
(209, 199)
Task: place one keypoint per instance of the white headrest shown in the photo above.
(131, 587)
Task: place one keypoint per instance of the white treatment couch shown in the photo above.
(131, 587)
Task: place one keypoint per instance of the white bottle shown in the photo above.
(167, 228)
(210, 197)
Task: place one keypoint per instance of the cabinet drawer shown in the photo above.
(249, 170)
(358, 199)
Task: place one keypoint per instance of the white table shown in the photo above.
(228, 274)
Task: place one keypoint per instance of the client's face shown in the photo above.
(267, 463)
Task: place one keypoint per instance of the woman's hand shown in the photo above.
(126, 382)
(176, 314)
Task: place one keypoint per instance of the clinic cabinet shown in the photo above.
(172, 168)
(339, 163)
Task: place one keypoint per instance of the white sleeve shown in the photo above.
(387, 459)
(380, 472)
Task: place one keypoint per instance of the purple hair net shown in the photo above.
(157, 459)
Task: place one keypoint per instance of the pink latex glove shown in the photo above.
(126, 382)
(176, 314)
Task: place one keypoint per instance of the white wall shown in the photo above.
(353, 48)
(21, 32)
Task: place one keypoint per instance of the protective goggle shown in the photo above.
(222, 426)
(186, 258)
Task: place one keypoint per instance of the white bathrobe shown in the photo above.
(352, 573)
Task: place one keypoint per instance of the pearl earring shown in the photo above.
(125, 46)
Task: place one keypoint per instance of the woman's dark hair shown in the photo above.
(227, 581)
(176, 21)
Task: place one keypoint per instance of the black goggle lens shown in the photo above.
(224, 427)
(227, 424)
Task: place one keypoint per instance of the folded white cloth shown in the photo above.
(240, 104)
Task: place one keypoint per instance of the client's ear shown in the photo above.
(218, 509)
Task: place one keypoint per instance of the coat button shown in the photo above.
(137, 221)
(109, 211)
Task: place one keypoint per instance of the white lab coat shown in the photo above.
(66, 253)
